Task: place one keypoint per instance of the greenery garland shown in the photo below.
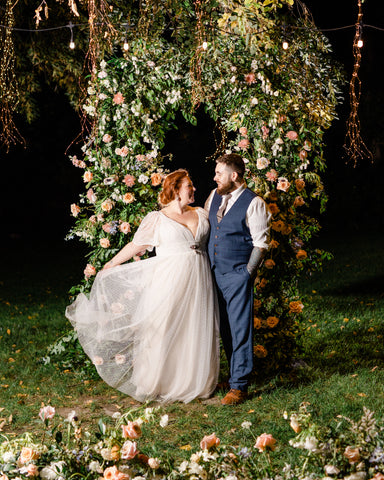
(271, 105)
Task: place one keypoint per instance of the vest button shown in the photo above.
(215, 253)
(215, 236)
(215, 245)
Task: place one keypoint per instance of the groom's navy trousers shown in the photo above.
(229, 248)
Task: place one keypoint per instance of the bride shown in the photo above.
(151, 327)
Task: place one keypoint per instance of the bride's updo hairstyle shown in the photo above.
(171, 186)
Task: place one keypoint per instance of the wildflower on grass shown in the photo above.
(265, 442)
(209, 441)
(47, 413)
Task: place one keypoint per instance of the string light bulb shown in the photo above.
(285, 45)
(285, 41)
(360, 42)
(71, 43)
(204, 45)
(126, 44)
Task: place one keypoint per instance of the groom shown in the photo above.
(238, 241)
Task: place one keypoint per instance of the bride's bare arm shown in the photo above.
(125, 254)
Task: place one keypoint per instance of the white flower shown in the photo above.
(102, 74)
(71, 416)
(143, 178)
(102, 96)
(254, 101)
(183, 466)
(331, 470)
(164, 421)
(246, 425)
(103, 64)
(233, 79)
(311, 443)
(9, 457)
(150, 64)
(231, 477)
(356, 476)
(53, 472)
(285, 415)
(95, 466)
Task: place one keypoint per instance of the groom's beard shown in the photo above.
(225, 188)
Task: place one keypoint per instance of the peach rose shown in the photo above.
(75, 209)
(259, 351)
(140, 158)
(129, 450)
(123, 152)
(128, 198)
(272, 175)
(295, 425)
(378, 476)
(106, 227)
(269, 263)
(272, 322)
(209, 441)
(47, 412)
(131, 430)
(243, 144)
(156, 179)
(91, 196)
(283, 184)
(303, 154)
(352, 454)
(89, 270)
(112, 473)
(106, 162)
(296, 307)
(298, 202)
(4, 477)
(32, 470)
(125, 227)
(107, 138)
(27, 455)
(292, 135)
(105, 243)
(107, 205)
(250, 78)
(257, 323)
(300, 184)
(115, 453)
(274, 244)
(88, 175)
(301, 254)
(153, 463)
(273, 208)
(265, 441)
(243, 131)
(129, 180)
(118, 98)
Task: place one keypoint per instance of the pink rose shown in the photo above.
(209, 441)
(125, 227)
(91, 196)
(129, 450)
(129, 180)
(262, 163)
(265, 441)
(118, 98)
(243, 131)
(106, 227)
(140, 158)
(123, 151)
(88, 175)
(107, 205)
(75, 209)
(107, 138)
(272, 175)
(93, 219)
(243, 144)
(250, 78)
(104, 242)
(265, 131)
(283, 184)
(89, 270)
(131, 430)
(292, 135)
(47, 412)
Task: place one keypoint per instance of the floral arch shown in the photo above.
(271, 105)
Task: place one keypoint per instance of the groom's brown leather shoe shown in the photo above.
(234, 397)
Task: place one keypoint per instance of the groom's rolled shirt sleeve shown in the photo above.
(258, 220)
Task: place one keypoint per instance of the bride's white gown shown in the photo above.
(151, 327)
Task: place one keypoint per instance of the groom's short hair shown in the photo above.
(234, 161)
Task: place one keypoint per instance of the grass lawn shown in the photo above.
(340, 371)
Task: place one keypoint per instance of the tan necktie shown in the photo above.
(221, 211)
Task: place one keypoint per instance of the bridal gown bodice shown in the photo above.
(151, 327)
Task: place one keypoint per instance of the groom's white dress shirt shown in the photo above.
(257, 216)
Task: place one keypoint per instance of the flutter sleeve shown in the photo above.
(147, 233)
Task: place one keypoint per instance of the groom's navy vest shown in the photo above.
(230, 242)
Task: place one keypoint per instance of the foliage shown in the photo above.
(345, 448)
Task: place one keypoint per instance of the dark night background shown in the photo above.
(40, 183)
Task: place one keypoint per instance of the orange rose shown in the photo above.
(274, 244)
(295, 307)
(88, 176)
(283, 184)
(272, 322)
(265, 441)
(107, 205)
(269, 264)
(104, 242)
(75, 209)
(352, 454)
(262, 284)
(272, 196)
(273, 208)
(298, 202)
(259, 351)
(132, 430)
(125, 227)
(115, 452)
(303, 154)
(156, 179)
(256, 304)
(209, 441)
(301, 254)
(286, 230)
(300, 184)
(278, 226)
(257, 323)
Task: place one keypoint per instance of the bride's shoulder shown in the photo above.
(202, 212)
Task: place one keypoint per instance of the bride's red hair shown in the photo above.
(171, 185)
